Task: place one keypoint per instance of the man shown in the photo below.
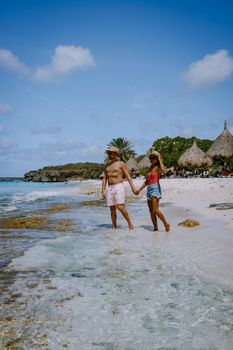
(113, 188)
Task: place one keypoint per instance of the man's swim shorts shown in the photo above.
(115, 194)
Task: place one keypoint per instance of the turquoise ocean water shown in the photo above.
(19, 195)
(18, 198)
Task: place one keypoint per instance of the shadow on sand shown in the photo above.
(147, 227)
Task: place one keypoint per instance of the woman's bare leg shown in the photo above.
(157, 212)
(153, 217)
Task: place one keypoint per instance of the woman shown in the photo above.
(153, 189)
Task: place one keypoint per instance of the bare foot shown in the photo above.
(131, 226)
(156, 228)
(167, 227)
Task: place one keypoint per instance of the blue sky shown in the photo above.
(76, 74)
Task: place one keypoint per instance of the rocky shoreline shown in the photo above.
(63, 173)
(11, 178)
(44, 176)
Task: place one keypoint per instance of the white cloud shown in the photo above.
(121, 117)
(50, 130)
(141, 145)
(5, 108)
(187, 132)
(144, 100)
(211, 70)
(64, 60)
(60, 152)
(186, 128)
(94, 118)
(11, 62)
(6, 145)
(92, 151)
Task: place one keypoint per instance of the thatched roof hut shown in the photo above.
(223, 145)
(144, 163)
(132, 165)
(195, 157)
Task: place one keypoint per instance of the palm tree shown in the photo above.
(125, 147)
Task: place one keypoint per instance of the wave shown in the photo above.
(7, 208)
(6, 205)
(36, 195)
(12, 201)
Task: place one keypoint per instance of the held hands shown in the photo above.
(135, 191)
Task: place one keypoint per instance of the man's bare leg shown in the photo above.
(124, 212)
(113, 216)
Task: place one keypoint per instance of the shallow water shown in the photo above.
(19, 195)
(100, 289)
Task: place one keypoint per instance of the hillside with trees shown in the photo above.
(65, 172)
(172, 148)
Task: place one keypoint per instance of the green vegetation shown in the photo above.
(172, 148)
(125, 147)
(221, 162)
(66, 172)
(83, 170)
(73, 166)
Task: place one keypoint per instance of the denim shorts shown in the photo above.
(154, 190)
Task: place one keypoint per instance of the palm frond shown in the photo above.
(125, 146)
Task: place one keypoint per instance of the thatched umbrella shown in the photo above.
(132, 165)
(144, 163)
(195, 157)
(223, 145)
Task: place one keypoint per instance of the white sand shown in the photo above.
(198, 194)
(209, 246)
(194, 194)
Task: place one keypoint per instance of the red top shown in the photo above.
(152, 177)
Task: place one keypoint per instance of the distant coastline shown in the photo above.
(183, 157)
(10, 178)
(66, 172)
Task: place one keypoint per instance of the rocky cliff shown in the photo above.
(77, 171)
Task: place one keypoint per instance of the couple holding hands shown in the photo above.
(114, 192)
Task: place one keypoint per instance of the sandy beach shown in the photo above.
(103, 289)
(195, 194)
(210, 246)
(195, 198)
